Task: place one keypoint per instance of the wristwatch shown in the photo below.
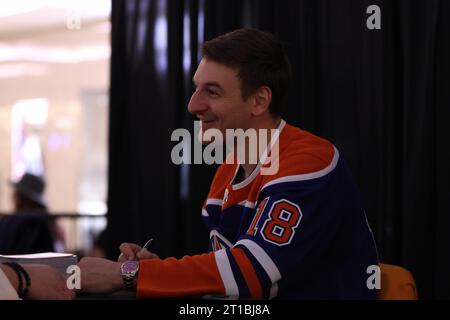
(129, 271)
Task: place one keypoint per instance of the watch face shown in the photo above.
(130, 266)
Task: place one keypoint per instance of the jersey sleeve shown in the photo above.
(189, 276)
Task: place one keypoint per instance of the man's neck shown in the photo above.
(272, 123)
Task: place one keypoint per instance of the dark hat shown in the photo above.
(32, 187)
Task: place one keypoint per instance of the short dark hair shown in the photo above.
(259, 58)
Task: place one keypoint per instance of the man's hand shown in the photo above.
(131, 251)
(100, 275)
(47, 283)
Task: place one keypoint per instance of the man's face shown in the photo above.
(217, 100)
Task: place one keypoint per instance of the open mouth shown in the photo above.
(207, 123)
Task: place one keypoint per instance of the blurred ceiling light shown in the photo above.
(96, 6)
(11, 8)
(9, 53)
(32, 111)
(16, 70)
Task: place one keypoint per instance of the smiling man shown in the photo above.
(300, 233)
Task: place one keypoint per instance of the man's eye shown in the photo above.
(211, 92)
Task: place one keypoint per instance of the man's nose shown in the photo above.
(196, 104)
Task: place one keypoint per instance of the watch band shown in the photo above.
(128, 280)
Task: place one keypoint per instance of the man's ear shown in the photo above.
(262, 99)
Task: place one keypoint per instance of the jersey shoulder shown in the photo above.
(301, 156)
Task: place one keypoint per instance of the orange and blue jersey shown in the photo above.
(300, 233)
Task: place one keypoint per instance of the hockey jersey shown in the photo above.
(300, 233)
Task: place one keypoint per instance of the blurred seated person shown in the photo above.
(99, 247)
(30, 229)
(44, 283)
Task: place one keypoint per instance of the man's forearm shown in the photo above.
(12, 276)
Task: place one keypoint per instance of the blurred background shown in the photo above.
(90, 93)
(54, 80)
